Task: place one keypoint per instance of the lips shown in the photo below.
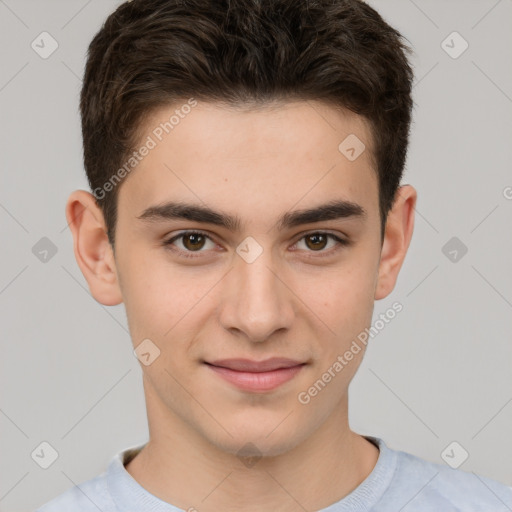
(247, 365)
(256, 376)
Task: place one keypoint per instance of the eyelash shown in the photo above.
(190, 254)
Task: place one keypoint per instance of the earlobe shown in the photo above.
(92, 249)
(397, 237)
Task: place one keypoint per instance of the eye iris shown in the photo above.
(196, 239)
(316, 237)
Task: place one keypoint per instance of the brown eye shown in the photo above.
(189, 242)
(316, 241)
(193, 241)
(323, 243)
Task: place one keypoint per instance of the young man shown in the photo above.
(245, 160)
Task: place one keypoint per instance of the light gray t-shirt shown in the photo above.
(399, 482)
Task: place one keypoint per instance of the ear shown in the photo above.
(92, 248)
(397, 236)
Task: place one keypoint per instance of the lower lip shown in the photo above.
(260, 381)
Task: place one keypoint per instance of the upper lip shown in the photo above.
(247, 365)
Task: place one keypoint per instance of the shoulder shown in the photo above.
(89, 496)
(419, 484)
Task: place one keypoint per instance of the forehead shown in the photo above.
(253, 161)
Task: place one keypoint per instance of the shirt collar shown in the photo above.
(129, 495)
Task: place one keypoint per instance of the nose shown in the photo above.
(257, 301)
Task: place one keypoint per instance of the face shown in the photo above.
(269, 284)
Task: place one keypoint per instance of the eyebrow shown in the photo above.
(336, 209)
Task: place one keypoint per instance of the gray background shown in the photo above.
(439, 372)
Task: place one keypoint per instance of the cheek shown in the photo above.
(347, 298)
(148, 295)
(344, 303)
(164, 302)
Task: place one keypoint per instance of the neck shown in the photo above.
(181, 467)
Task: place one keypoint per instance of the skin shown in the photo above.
(290, 302)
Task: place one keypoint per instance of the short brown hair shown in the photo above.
(152, 53)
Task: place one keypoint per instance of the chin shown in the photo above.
(253, 441)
